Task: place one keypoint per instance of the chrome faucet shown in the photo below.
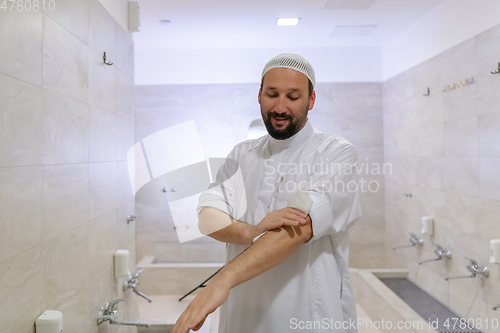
(407, 194)
(108, 313)
(474, 269)
(414, 240)
(440, 252)
(132, 282)
(131, 218)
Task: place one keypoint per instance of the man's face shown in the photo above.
(284, 102)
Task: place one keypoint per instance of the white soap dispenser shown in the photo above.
(50, 321)
(495, 251)
(427, 225)
(121, 263)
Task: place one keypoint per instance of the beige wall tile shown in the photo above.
(208, 251)
(73, 15)
(461, 137)
(125, 232)
(490, 177)
(124, 191)
(102, 82)
(21, 45)
(102, 133)
(124, 52)
(489, 135)
(487, 62)
(21, 285)
(102, 241)
(20, 208)
(65, 129)
(461, 174)
(125, 136)
(102, 188)
(64, 198)
(154, 224)
(460, 103)
(101, 31)
(21, 121)
(125, 105)
(66, 263)
(460, 62)
(65, 61)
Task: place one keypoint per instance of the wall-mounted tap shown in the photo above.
(474, 269)
(494, 307)
(108, 313)
(440, 252)
(132, 282)
(414, 240)
(131, 218)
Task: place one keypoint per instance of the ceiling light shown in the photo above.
(164, 21)
(288, 21)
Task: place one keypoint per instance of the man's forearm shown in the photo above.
(267, 252)
(220, 226)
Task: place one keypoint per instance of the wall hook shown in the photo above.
(498, 71)
(428, 92)
(104, 58)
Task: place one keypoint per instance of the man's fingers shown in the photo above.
(181, 326)
(295, 211)
(200, 324)
(292, 222)
(297, 218)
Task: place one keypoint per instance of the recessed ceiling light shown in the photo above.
(288, 21)
(164, 21)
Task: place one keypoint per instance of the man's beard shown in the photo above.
(294, 125)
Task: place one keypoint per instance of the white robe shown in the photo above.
(311, 290)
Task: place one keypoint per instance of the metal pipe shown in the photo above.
(147, 298)
(129, 323)
(460, 277)
(436, 259)
(399, 247)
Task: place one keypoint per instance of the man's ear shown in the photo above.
(312, 100)
(260, 91)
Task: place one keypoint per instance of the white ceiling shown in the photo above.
(236, 24)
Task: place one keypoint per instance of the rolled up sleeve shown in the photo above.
(335, 193)
(227, 193)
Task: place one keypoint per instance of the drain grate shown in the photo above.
(427, 307)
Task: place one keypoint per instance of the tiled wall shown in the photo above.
(66, 124)
(222, 114)
(445, 150)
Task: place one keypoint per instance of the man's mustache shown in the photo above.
(277, 115)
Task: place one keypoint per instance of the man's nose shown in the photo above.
(281, 106)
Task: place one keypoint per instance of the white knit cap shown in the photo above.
(292, 61)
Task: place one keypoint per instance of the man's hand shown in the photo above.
(206, 302)
(267, 252)
(285, 217)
